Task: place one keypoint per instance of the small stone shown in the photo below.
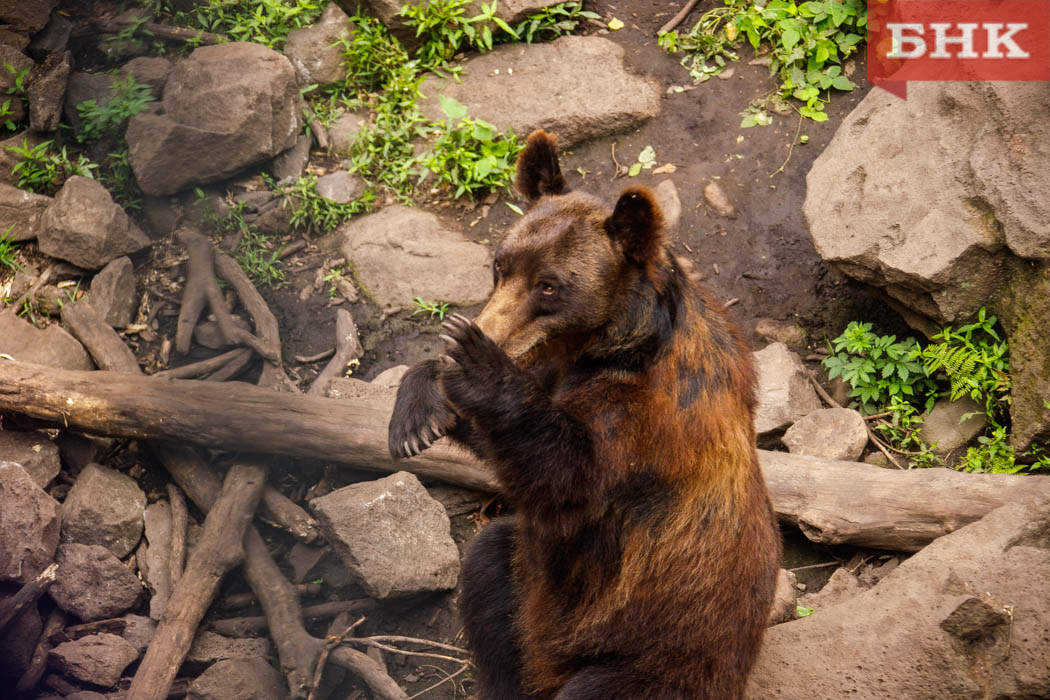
(344, 130)
(97, 658)
(92, 583)
(112, 295)
(340, 187)
(773, 331)
(289, 165)
(784, 392)
(149, 70)
(138, 631)
(667, 196)
(209, 648)
(82, 87)
(785, 599)
(47, 92)
(391, 534)
(29, 525)
(13, 62)
(54, 38)
(243, 679)
(944, 424)
(51, 346)
(974, 618)
(34, 451)
(829, 433)
(310, 563)
(20, 212)
(718, 200)
(104, 507)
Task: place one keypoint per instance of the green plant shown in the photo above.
(18, 85)
(901, 429)
(808, 44)
(445, 30)
(6, 112)
(469, 154)
(878, 368)
(9, 249)
(119, 179)
(553, 22)
(802, 611)
(255, 252)
(316, 213)
(42, 168)
(433, 308)
(261, 21)
(129, 97)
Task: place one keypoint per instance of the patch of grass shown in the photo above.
(264, 22)
(445, 30)
(43, 168)
(257, 254)
(20, 84)
(9, 249)
(469, 154)
(808, 43)
(119, 179)
(554, 21)
(434, 308)
(129, 97)
(316, 213)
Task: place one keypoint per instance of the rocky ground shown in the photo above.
(102, 287)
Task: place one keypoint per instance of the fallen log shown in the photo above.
(832, 502)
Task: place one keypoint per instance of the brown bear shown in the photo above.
(615, 403)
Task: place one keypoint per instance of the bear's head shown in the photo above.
(570, 266)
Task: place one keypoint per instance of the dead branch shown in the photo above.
(38, 662)
(370, 671)
(347, 349)
(200, 289)
(331, 642)
(219, 550)
(244, 626)
(205, 367)
(678, 18)
(160, 31)
(281, 511)
(179, 522)
(27, 595)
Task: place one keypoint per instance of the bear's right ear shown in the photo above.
(538, 172)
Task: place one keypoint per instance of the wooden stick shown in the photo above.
(179, 522)
(27, 595)
(347, 349)
(678, 18)
(370, 671)
(38, 662)
(280, 511)
(199, 369)
(219, 550)
(161, 31)
(244, 626)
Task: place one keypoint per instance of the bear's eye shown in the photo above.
(546, 288)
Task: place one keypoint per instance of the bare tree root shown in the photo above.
(27, 595)
(180, 518)
(38, 662)
(211, 366)
(244, 626)
(347, 349)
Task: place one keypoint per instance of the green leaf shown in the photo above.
(515, 208)
(842, 83)
(789, 38)
(634, 170)
(802, 611)
(452, 107)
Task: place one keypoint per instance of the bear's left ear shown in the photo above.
(636, 223)
(538, 172)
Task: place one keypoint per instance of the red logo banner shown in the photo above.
(957, 40)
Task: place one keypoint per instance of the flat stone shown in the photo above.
(20, 212)
(790, 334)
(667, 196)
(401, 253)
(344, 130)
(784, 392)
(112, 295)
(539, 86)
(30, 525)
(310, 563)
(944, 426)
(391, 534)
(225, 108)
(97, 658)
(47, 91)
(50, 346)
(718, 200)
(829, 433)
(243, 679)
(138, 631)
(28, 15)
(209, 648)
(84, 226)
(149, 70)
(316, 51)
(340, 187)
(34, 451)
(290, 164)
(104, 507)
(92, 583)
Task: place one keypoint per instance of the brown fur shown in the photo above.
(616, 404)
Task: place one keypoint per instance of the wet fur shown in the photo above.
(642, 556)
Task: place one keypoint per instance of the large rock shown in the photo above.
(829, 433)
(391, 534)
(27, 15)
(29, 525)
(316, 52)
(149, 70)
(244, 679)
(34, 451)
(47, 91)
(400, 253)
(576, 87)
(92, 583)
(50, 346)
(225, 108)
(966, 617)
(784, 392)
(112, 295)
(104, 507)
(86, 227)
(20, 212)
(97, 658)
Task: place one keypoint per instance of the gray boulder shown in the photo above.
(225, 108)
(92, 583)
(576, 87)
(391, 534)
(966, 617)
(104, 507)
(86, 227)
(340, 187)
(34, 452)
(784, 392)
(401, 253)
(316, 52)
(50, 346)
(112, 294)
(27, 15)
(20, 212)
(47, 91)
(30, 524)
(149, 70)
(830, 433)
(244, 679)
(97, 658)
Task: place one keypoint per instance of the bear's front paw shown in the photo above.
(479, 371)
(421, 414)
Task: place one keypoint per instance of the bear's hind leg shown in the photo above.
(615, 683)
(488, 603)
